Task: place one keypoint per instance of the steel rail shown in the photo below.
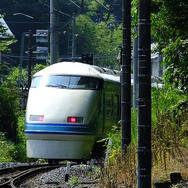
(16, 179)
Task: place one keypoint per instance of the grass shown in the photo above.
(6, 148)
(177, 162)
(122, 170)
(169, 142)
(11, 151)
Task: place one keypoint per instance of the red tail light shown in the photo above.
(75, 119)
(41, 118)
(71, 119)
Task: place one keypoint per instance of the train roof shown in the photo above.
(81, 69)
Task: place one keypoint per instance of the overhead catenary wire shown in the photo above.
(54, 9)
(75, 4)
(65, 23)
(102, 5)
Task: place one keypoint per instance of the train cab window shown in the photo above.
(68, 82)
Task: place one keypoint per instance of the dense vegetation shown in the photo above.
(99, 32)
(169, 141)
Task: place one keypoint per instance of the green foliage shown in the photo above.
(170, 31)
(115, 147)
(37, 68)
(17, 75)
(74, 181)
(169, 138)
(176, 57)
(169, 115)
(6, 148)
(86, 30)
(108, 41)
(134, 14)
(165, 99)
(115, 136)
(11, 79)
(19, 151)
(171, 21)
(9, 111)
(170, 102)
(101, 39)
(4, 69)
(5, 38)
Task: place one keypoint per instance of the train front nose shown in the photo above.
(58, 125)
(62, 106)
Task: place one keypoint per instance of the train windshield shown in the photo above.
(67, 82)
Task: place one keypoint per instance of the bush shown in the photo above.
(170, 111)
(6, 148)
(9, 110)
(19, 152)
(169, 140)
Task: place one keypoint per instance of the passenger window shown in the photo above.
(112, 104)
(68, 82)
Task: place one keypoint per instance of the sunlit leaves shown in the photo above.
(176, 57)
(170, 32)
(5, 38)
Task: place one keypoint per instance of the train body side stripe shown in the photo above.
(42, 128)
(56, 124)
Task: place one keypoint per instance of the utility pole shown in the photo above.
(144, 96)
(54, 33)
(73, 38)
(126, 76)
(21, 58)
(30, 36)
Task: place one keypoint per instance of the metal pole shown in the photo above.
(73, 38)
(29, 57)
(21, 58)
(144, 97)
(135, 72)
(126, 76)
(54, 33)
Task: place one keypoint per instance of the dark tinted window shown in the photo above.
(68, 82)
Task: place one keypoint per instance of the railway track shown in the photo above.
(13, 177)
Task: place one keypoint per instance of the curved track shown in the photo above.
(13, 177)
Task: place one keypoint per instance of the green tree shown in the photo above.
(5, 40)
(9, 111)
(9, 105)
(8, 95)
(4, 69)
(100, 38)
(170, 31)
(5, 37)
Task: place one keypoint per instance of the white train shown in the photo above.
(70, 107)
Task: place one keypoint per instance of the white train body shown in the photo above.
(70, 106)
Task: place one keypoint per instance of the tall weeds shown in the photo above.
(169, 141)
(120, 170)
(167, 132)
